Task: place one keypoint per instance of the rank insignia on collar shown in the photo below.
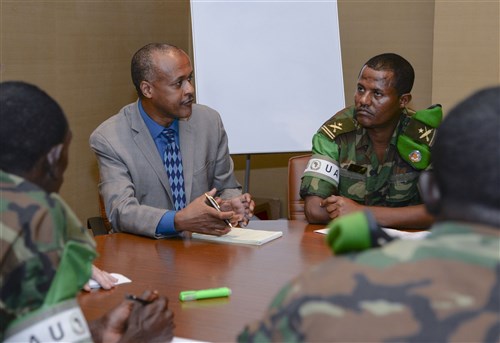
(333, 128)
(425, 132)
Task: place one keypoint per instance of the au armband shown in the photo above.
(63, 322)
(418, 136)
(323, 168)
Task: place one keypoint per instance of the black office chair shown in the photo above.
(100, 225)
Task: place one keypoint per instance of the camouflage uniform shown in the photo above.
(442, 288)
(37, 229)
(362, 178)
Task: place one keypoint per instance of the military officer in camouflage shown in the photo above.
(443, 288)
(46, 254)
(357, 161)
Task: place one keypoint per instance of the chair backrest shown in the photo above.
(296, 167)
(100, 225)
(104, 216)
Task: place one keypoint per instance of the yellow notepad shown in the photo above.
(242, 236)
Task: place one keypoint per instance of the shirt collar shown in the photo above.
(154, 128)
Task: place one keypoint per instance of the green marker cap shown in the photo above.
(204, 294)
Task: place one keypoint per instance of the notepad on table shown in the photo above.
(242, 236)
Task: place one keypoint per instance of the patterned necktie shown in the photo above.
(173, 165)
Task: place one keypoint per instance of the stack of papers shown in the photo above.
(393, 233)
(406, 234)
(242, 236)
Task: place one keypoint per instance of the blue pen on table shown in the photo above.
(205, 294)
(214, 204)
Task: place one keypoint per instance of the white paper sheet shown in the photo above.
(121, 279)
(392, 233)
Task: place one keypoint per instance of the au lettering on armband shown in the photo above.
(323, 168)
(63, 322)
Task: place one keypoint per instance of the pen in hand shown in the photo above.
(211, 201)
(136, 298)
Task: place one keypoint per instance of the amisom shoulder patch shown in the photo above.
(418, 136)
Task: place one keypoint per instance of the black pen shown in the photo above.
(214, 204)
(136, 298)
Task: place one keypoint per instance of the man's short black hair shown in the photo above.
(466, 153)
(404, 75)
(142, 67)
(31, 123)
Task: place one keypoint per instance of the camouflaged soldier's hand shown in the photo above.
(337, 206)
(111, 326)
(151, 322)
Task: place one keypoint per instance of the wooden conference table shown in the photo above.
(254, 273)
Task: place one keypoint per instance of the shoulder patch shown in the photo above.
(337, 126)
(418, 136)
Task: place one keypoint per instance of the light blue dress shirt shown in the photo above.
(166, 226)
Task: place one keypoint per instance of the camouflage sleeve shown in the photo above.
(30, 261)
(35, 229)
(357, 298)
(270, 330)
(74, 229)
(327, 149)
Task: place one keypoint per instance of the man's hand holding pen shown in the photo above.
(149, 314)
(212, 202)
(200, 217)
(242, 206)
(144, 318)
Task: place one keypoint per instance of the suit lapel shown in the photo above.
(144, 141)
(187, 153)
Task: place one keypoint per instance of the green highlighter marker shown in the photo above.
(205, 294)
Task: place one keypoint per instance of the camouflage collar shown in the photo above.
(10, 178)
(363, 140)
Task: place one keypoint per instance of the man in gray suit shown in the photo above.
(131, 148)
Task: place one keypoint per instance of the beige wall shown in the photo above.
(368, 28)
(80, 51)
(466, 49)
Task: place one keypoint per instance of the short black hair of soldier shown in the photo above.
(31, 124)
(466, 153)
(404, 75)
(142, 67)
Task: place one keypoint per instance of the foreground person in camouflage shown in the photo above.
(46, 255)
(371, 154)
(439, 289)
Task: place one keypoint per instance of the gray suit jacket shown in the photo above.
(134, 184)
